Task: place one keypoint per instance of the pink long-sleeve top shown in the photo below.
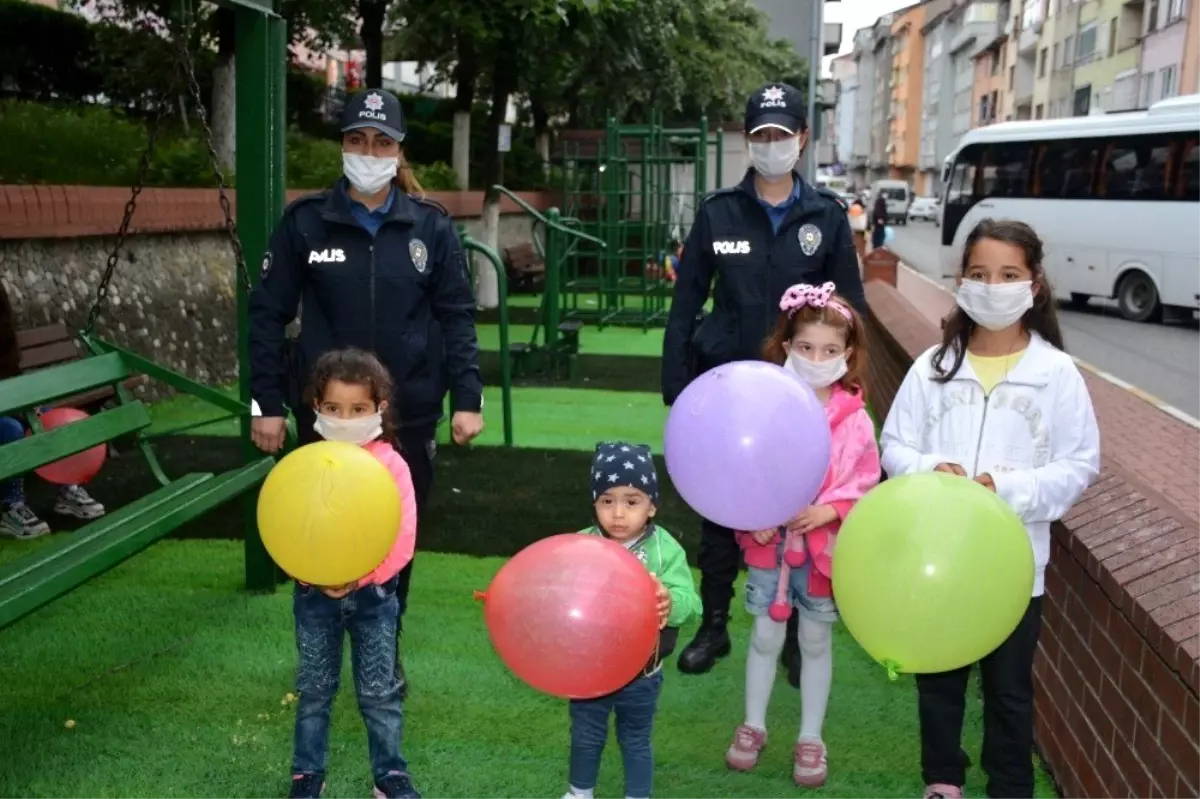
(853, 471)
(406, 540)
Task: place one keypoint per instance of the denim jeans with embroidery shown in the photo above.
(12, 491)
(369, 616)
(634, 706)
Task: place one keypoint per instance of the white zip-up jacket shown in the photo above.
(1035, 434)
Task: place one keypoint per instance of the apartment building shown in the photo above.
(845, 74)
(1164, 31)
(881, 104)
(864, 63)
(1107, 52)
(908, 65)
(1190, 82)
(952, 40)
(990, 87)
(1062, 27)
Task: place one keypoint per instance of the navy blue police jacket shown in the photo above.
(403, 294)
(733, 242)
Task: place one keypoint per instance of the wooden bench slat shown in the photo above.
(44, 579)
(45, 385)
(47, 334)
(23, 456)
(48, 355)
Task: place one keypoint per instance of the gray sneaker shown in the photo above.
(77, 502)
(18, 521)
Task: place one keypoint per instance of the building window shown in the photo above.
(1151, 16)
(1086, 42)
(1112, 36)
(1042, 63)
(1175, 11)
(1146, 95)
(1168, 82)
(1057, 57)
(1012, 78)
(994, 60)
(1083, 101)
(1068, 51)
(1038, 111)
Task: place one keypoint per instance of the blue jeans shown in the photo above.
(369, 615)
(12, 490)
(634, 706)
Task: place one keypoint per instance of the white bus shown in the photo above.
(1116, 198)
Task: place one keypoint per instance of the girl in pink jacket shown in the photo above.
(821, 339)
(350, 391)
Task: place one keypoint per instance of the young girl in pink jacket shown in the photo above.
(821, 339)
(350, 391)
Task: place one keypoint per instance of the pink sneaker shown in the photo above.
(742, 754)
(810, 769)
(943, 791)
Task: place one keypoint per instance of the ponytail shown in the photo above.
(406, 178)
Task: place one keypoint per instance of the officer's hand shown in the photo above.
(465, 426)
(268, 433)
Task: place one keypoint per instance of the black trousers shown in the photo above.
(416, 445)
(719, 558)
(1007, 677)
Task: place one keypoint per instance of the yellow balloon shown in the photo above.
(329, 513)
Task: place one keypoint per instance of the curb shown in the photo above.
(1163, 406)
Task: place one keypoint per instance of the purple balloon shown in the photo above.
(747, 445)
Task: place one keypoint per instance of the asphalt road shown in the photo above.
(1163, 360)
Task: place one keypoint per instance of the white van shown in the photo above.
(897, 194)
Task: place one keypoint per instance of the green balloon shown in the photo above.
(931, 572)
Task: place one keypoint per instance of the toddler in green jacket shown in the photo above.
(625, 501)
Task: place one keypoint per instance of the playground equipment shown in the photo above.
(472, 247)
(636, 188)
(41, 576)
(554, 345)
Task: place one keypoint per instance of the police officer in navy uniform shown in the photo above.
(372, 264)
(755, 240)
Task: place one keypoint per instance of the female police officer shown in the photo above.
(767, 233)
(379, 267)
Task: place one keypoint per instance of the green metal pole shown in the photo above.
(259, 164)
(471, 245)
(554, 257)
(719, 178)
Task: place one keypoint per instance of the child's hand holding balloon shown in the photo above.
(664, 602)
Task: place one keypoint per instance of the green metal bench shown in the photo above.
(70, 560)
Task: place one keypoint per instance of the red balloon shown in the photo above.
(73, 469)
(573, 615)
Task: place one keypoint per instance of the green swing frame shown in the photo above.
(50, 571)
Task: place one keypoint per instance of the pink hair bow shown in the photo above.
(803, 294)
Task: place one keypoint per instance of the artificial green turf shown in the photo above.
(592, 341)
(176, 682)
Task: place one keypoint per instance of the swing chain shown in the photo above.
(235, 241)
(183, 62)
(164, 110)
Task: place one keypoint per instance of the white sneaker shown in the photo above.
(20, 522)
(76, 501)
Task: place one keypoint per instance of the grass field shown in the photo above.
(174, 682)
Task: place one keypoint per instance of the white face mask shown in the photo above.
(368, 173)
(774, 159)
(818, 374)
(358, 431)
(995, 306)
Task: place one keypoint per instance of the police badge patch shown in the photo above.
(266, 265)
(419, 254)
(810, 238)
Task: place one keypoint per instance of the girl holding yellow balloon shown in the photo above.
(1000, 403)
(340, 516)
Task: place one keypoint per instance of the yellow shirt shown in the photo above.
(992, 369)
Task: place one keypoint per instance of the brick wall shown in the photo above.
(1118, 665)
(38, 212)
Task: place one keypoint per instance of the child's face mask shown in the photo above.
(359, 430)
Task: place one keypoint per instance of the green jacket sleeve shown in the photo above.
(676, 577)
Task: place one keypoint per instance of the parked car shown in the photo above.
(924, 209)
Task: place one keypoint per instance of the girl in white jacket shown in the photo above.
(1001, 403)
